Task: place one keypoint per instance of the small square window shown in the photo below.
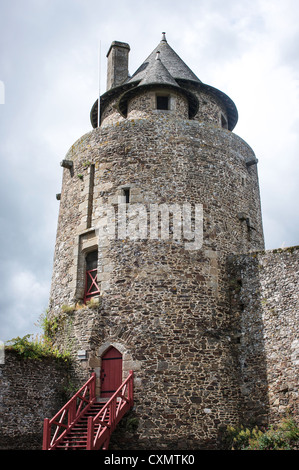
(162, 102)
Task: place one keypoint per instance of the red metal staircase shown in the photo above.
(85, 423)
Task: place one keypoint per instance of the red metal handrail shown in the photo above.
(115, 408)
(101, 426)
(69, 414)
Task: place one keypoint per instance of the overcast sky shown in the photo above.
(249, 49)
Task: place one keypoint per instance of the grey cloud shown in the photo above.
(48, 63)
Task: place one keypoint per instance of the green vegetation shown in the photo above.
(37, 348)
(93, 303)
(68, 308)
(42, 346)
(52, 325)
(283, 436)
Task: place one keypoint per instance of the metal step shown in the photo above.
(77, 437)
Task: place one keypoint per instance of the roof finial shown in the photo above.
(164, 37)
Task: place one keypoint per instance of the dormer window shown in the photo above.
(162, 102)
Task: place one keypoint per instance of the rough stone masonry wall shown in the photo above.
(164, 307)
(30, 390)
(266, 287)
(163, 161)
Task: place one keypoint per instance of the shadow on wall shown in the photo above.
(246, 309)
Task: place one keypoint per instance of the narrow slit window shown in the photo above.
(90, 196)
(163, 102)
(126, 193)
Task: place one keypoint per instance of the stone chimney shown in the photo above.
(118, 64)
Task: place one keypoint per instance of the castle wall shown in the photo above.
(266, 293)
(208, 329)
(210, 109)
(261, 346)
(166, 307)
(30, 390)
(144, 104)
(162, 161)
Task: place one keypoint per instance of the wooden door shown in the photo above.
(111, 372)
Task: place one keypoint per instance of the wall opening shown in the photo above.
(224, 123)
(90, 196)
(126, 194)
(162, 102)
(91, 282)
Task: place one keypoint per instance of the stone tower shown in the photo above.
(154, 201)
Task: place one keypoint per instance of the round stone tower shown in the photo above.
(154, 200)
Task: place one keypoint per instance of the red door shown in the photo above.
(111, 372)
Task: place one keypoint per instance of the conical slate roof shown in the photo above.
(175, 66)
(157, 73)
(164, 67)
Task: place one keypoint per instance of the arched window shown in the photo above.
(91, 282)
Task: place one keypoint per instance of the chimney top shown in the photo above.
(118, 64)
(118, 44)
